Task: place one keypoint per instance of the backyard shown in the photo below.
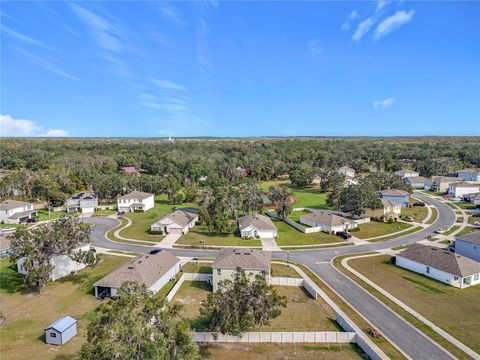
(377, 228)
(456, 311)
(288, 235)
(28, 314)
(42, 214)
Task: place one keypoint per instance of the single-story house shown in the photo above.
(415, 181)
(178, 222)
(347, 171)
(469, 245)
(458, 189)
(62, 330)
(15, 212)
(469, 174)
(151, 270)
(84, 202)
(136, 201)
(404, 173)
(329, 223)
(131, 170)
(256, 226)
(253, 262)
(398, 196)
(439, 183)
(473, 198)
(390, 210)
(63, 264)
(440, 264)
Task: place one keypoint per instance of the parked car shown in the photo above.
(32, 220)
(155, 251)
(440, 230)
(476, 223)
(344, 234)
(419, 203)
(476, 215)
(121, 213)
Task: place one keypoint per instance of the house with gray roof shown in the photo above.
(253, 262)
(84, 202)
(404, 173)
(399, 196)
(327, 222)
(256, 226)
(415, 181)
(439, 183)
(136, 201)
(459, 189)
(178, 222)
(469, 245)
(151, 270)
(15, 212)
(469, 174)
(440, 264)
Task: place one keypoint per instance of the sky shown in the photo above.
(257, 68)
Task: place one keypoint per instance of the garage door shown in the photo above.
(175, 231)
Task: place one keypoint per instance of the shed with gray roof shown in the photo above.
(60, 331)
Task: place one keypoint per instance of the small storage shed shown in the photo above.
(61, 331)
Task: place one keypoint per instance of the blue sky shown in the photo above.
(240, 68)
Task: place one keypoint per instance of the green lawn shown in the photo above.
(288, 235)
(295, 216)
(451, 230)
(472, 219)
(433, 217)
(377, 228)
(199, 232)
(467, 230)
(455, 310)
(28, 314)
(106, 212)
(280, 270)
(141, 221)
(418, 213)
(42, 214)
(465, 206)
(200, 267)
(409, 231)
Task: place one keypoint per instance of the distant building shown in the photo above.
(136, 201)
(62, 330)
(15, 212)
(347, 171)
(440, 264)
(151, 270)
(459, 189)
(404, 173)
(328, 222)
(398, 196)
(317, 179)
(84, 202)
(469, 174)
(469, 245)
(415, 181)
(253, 262)
(439, 183)
(241, 171)
(131, 170)
(178, 222)
(390, 210)
(256, 226)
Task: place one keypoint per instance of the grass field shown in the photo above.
(288, 235)
(451, 230)
(280, 351)
(377, 228)
(467, 230)
(465, 206)
(302, 313)
(418, 213)
(472, 219)
(105, 212)
(456, 311)
(28, 314)
(295, 216)
(42, 214)
(279, 270)
(200, 233)
(434, 216)
(409, 231)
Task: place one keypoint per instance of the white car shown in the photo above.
(476, 223)
(440, 230)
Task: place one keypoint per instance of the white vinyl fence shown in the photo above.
(278, 337)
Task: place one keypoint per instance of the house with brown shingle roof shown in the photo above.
(256, 226)
(151, 270)
(15, 212)
(440, 264)
(253, 262)
(178, 222)
(328, 222)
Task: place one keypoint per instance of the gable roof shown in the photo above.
(181, 217)
(393, 192)
(326, 219)
(144, 269)
(441, 259)
(243, 258)
(389, 203)
(415, 179)
(83, 196)
(259, 222)
(473, 237)
(12, 204)
(135, 195)
(62, 324)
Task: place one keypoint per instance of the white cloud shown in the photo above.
(381, 4)
(170, 85)
(171, 14)
(346, 25)
(363, 28)
(26, 128)
(22, 38)
(393, 22)
(315, 49)
(383, 103)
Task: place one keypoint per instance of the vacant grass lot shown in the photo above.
(418, 213)
(456, 311)
(200, 233)
(42, 214)
(28, 314)
(302, 313)
(280, 351)
(288, 235)
(377, 228)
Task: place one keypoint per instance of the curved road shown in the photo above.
(411, 341)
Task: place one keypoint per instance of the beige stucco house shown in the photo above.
(256, 226)
(390, 210)
(178, 222)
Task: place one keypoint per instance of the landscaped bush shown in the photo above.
(354, 229)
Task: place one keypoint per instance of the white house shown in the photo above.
(440, 264)
(15, 212)
(63, 264)
(459, 189)
(404, 173)
(256, 226)
(329, 223)
(151, 270)
(178, 222)
(415, 181)
(469, 174)
(84, 202)
(62, 330)
(347, 171)
(136, 201)
(469, 245)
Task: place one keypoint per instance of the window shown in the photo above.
(428, 269)
(476, 277)
(52, 334)
(455, 278)
(219, 271)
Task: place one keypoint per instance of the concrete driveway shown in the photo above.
(269, 244)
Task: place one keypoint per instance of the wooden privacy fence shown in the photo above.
(278, 337)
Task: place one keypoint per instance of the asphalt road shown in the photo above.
(405, 336)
